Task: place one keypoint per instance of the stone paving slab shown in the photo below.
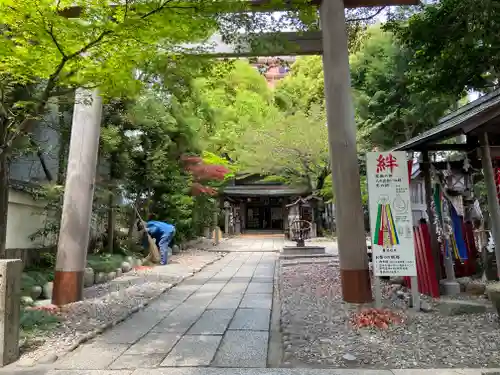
(165, 304)
(259, 371)
(235, 287)
(128, 361)
(263, 273)
(180, 320)
(263, 279)
(254, 371)
(133, 328)
(251, 319)
(93, 356)
(90, 372)
(219, 317)
(212, 322)
(213, 287)
(257, 301)
(242, 349)
(260, 288)
(193, 351)
(223, 301)
(154, 343)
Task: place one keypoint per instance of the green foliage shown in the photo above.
(297, 145)
(210, 158)
(390, 108)
(27, 283)
(274, 179)
(104, 262)
(453, 45)
(303, 87)
(234, 100)
(33, 321)
(327, 191)
(44, 54)
(40, 276)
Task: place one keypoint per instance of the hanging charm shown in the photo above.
(466, 165)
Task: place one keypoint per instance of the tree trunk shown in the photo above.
(111, 202)
(111, 222)
(4, 202)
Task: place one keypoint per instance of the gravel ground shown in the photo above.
(105, 303)
(317, 332)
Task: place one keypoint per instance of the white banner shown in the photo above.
(393, 247)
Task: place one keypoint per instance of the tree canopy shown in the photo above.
(389, 104)
(454, 45)
(294, 146)
(234, 99)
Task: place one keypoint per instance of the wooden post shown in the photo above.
(493, 205)
(216, 228)
(355, 276)
(78, 196)
(426, 164)
(227, 207)
(10, 303)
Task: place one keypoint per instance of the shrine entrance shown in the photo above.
(265, 213)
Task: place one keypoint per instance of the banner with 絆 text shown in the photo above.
(393, 247)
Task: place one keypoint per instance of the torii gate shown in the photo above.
(356, 286)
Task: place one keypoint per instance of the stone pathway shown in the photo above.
(219, 318)
(270, 243)
(251, 243)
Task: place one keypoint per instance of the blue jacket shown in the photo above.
(158, 230)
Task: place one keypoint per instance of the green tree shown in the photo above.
(234, 99)
(44, 54)
(303, 87)
(454, 45)
(389, 106)
(294, 146)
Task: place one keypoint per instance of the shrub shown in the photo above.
(104, 262)
(27, 284)
(37, 320)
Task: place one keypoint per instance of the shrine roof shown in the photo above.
(263, 190)
(480, 115)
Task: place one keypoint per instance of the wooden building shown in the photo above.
(479, 123)
(255, 204)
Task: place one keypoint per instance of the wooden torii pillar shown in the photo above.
(356, 287)
(354, 271)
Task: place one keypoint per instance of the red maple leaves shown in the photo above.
(203, 173)
(375, 318)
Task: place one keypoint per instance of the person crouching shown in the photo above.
(163, 234)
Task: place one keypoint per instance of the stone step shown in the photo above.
(306, 256)
(302, 261)
(303, 250)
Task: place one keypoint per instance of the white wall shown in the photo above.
(25, 217)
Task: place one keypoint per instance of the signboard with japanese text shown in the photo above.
(393, 247)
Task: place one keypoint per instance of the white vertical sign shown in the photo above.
(393, 247)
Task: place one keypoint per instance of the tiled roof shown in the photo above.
(263, 190)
